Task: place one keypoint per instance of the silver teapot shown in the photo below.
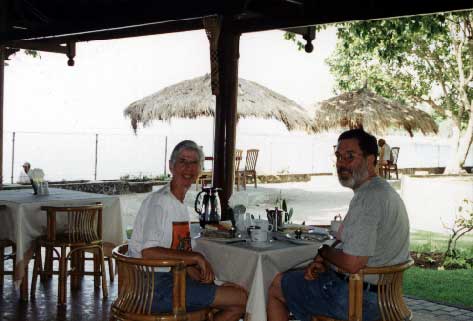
(207, 205)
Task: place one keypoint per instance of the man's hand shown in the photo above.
(206, 272)
(315, 267)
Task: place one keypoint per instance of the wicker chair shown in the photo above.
(238, 156)
(390, 301)
(83, 232)
(136, 289)
(4, 243)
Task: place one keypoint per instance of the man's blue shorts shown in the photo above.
(198, 295)
(326, 296)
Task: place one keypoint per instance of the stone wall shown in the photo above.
(109, 187)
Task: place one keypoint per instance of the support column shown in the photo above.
(3, 56)
(226, 112)
(2, 69)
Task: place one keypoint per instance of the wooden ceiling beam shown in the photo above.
(48, 36)
(317, 13)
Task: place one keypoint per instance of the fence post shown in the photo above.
(165, 153)
(12, 156)
(96, 155)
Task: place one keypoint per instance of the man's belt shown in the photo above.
(366, 286)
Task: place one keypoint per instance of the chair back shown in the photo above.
(394, 155)
(238, 156)
(251, 158)
(82, 223)
(390, 301)
(136, 288)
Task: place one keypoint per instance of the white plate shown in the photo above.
(260, 244)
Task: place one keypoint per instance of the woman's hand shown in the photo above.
(206, 273)
(315, 267)
(193, 272)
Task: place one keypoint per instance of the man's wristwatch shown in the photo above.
(321, 249)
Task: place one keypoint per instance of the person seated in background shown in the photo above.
(161, 231)
(374, 233)
(384, 156)
(24, 178)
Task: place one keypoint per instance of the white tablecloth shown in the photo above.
(22, 221)
(254, 268)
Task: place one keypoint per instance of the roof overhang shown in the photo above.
(62, 21)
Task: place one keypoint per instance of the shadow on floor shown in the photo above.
(83, 303)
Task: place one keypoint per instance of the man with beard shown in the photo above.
(374, 233)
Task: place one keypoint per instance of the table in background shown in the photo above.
(252, 267)
(22, 221)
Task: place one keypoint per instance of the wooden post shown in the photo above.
(12, 156)
(2, 69)
(96, 154)
(3, 56)
(165, 154)
(226, 112)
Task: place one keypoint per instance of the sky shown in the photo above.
(45, 94)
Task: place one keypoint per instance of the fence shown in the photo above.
(91, 156)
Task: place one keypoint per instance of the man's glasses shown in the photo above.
(347, 157)
(184, 162)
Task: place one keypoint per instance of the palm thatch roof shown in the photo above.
(193, 98)
(374, 113)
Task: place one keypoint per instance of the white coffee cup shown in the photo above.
(259, 235)
(264, 225)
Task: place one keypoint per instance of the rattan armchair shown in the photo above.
(82, 232)
(390, 301)
(5, 243)
(136, 289)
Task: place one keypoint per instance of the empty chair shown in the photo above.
(238, 157)
(205, 176)
(250, 167)
(11, 256)
(136, 288)
(392, 164)
(108, 259)
(5, 243)
(390, 301)
(82, 232)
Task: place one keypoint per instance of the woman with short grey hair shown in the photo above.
(186, 144)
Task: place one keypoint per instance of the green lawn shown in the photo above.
(425, 241)
(448, 286)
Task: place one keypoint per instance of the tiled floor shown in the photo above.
(438, 312)
(87, 303)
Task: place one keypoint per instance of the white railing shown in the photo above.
(88, 156)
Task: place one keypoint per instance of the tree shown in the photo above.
(414, 60)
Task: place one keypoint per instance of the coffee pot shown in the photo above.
(207, 205)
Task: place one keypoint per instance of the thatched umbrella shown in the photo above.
(374, 113)
(193, 98)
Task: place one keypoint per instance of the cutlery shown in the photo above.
(235, 241)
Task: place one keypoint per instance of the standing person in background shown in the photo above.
(384, 156)
(24, 178)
